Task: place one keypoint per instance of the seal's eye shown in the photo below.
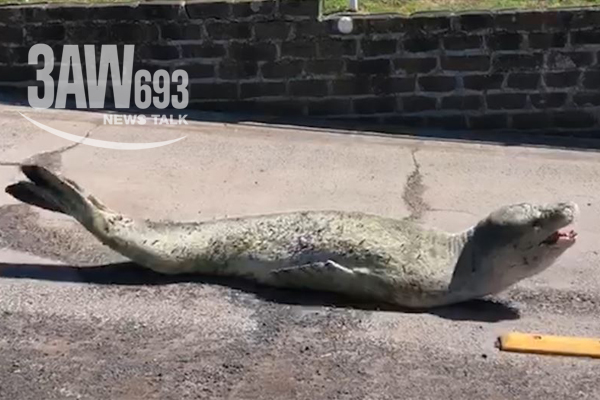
(537, 223)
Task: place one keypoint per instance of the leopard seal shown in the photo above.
(364, 256)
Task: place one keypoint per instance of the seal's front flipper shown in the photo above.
(315, 275)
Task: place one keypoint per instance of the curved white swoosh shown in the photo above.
(101, 143)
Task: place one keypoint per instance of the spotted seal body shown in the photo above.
(361, 255)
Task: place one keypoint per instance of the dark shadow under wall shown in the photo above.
(576, 140)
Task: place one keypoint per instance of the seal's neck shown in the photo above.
(463, 284)
(476, 273)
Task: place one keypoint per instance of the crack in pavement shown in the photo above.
(20, 221)
(414, 190)
(49, 159)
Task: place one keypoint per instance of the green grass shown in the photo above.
(408, 7)
(405, 7)
(65, 2)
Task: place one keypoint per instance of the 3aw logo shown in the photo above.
(122, 82)
(148, 89)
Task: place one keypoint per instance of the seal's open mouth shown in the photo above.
(560, 236)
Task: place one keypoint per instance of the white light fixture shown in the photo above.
(345, 24)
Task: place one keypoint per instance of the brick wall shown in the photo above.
(527, 70)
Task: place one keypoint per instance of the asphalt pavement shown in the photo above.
(77, 321)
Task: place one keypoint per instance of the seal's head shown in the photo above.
(521, 240)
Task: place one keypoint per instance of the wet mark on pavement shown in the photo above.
(51, 160)
(64, 240)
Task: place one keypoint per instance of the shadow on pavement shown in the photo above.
(131, 274)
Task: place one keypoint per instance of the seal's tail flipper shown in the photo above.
(51, 192)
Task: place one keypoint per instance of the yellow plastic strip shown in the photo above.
(547, 344)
